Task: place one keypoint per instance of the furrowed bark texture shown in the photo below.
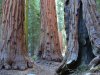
(83, 30)
(83, 35)
(49, 44)
(72, 32)
(13, 53)
(92, 23)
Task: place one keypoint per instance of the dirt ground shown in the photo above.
(46, 68)
(39, 68)
(16, 72)
(42, 67)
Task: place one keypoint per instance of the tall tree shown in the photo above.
(49, 44)
(83, 36)
(13, 53)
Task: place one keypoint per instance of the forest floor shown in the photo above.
(17, 72)
(42, 67)
(39, 68)
(85, 72)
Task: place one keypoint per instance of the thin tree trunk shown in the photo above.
(49, 44)
(13, 53)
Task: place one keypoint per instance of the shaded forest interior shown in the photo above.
(64, 33)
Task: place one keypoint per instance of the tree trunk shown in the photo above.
(72, 36)
(93, 26)
(83, 36)
(13, 53)
(49, 44)
(61, 41)
(88, 29)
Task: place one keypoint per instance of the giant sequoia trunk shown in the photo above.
(77, 34)
(83, 33)
(49, 44)
(13, 53)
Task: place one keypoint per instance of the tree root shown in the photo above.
(19, 63)
(94, 63)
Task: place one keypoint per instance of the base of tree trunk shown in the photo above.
(53, 57)
(23, 64)
(80, 70)
(95, 62)
(19, 63)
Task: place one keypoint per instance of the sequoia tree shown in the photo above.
(83, 33)
(49, 43)
(13, 52)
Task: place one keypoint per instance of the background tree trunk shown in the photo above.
(13, 53)
(49, 44)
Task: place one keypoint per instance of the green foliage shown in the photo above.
(34, 25)
(26, 21)
(98, 5)
(60, 14)
(60, 19)
(34, 22)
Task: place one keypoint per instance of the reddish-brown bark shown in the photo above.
(49, 44)
(61, 41)
(13, 53)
